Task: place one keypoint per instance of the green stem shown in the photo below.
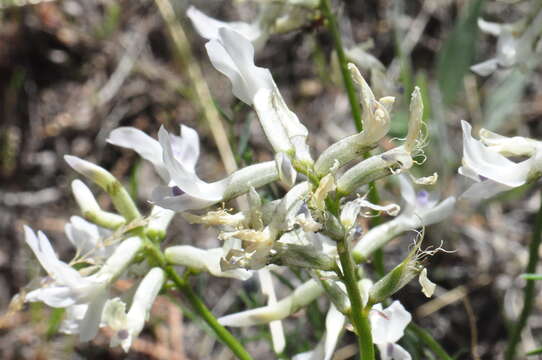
(429, 341)
(199, 306)
(325, 6)
(378, 256)
(358, 316)
(528, 292)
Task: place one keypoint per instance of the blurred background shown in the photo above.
(71, 71)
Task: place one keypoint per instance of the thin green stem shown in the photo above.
(528, 292)
(358, 316)
(325, 6)
(429, 341)
(197, 304)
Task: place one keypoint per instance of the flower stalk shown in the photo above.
(325, 6)
(358, 315)
(199, 306)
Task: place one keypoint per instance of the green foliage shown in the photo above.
(458, 51)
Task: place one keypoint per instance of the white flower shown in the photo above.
(423, 208)
(516, 43)
(492, 171)
(388, 326)
(69, 288)
(203, 260)
(233, 55)
(128, 326)
(185, 147)
(175, 158)
(273, 17)
(507, 45)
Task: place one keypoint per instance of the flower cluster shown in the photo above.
(315, 226)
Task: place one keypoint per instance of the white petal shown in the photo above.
(208, 27)
(335, 321)
(264, 103)
(485, 68)
(428, 287)
(53, 296)
(186, 147)
(203, 260)
(82, 234)
(163, 197)
(184, 177)
(491, 164)
(148, 148)
(117, 262)
(490, 27)
(407, 190)
(233, 55)
(437, 213)
(391, 351)
(93, 316)
(45, 254)
(484, 190)
(389, 325)
(275, 327)
(72, 319)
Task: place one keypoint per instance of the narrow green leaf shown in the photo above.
(458, 51)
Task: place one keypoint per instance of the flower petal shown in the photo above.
(53, 296)
(490, 164)
(147, 147)
(389, 325)
(485, 68)
(93, 316)
(183, 176)
(208, 27)
(233, 55)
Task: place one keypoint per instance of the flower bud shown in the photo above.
(302, 296)
(327, 185)
(119, 260)
(374, 168)
(103, 178)
(255, 215)
(90, 208)
(306, 256)
(333, 227)
(203, 260)
(336, 292)
(158, 223)
(396, 279)
(376, 124)
(415, 121)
